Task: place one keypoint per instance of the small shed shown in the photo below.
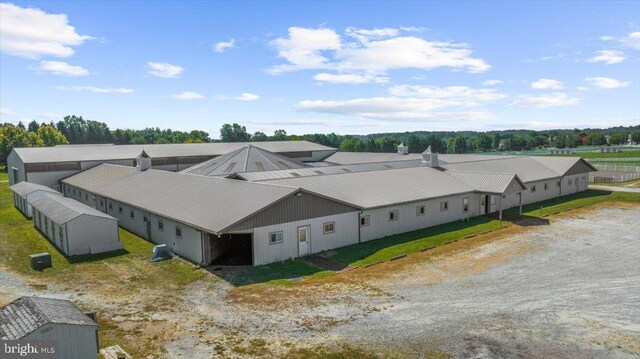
(73, 227)
(74, 333)
(25, 191)
(561, 151)
(610, 149)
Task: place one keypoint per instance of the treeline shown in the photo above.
(76, 130)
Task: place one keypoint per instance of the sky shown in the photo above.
(322, 67)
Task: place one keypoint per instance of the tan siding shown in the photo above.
(291, 209)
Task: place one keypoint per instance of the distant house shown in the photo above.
(38, 319)
(610, 149)
(561, 151)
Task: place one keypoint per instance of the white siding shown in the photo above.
(345, 233)
(74, 341)
(85, 233)
(14, 161)
(380, 226)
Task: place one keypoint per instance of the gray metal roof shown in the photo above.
(64, 153)
(209, 203)
(321, 171)
(24, 188)
(561, 164)
(26, 314)
(382, 188)
(244, 159)
(527, 168)
(488, 182)
(62, 209)
(346, 158)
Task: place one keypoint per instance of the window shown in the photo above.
(393, 215)
(419, 210)
(275, 237)
(493, 200)
(546, 186)
(329, 227)
(465, 204)
(144, 218)
(110, 206)
(178, 231)
(101, 202)
(569, 181)
(120, 209)
(558, 184)
(132, 215)
(364, 221)
(533, 188)
(160, 225)
(444, 206)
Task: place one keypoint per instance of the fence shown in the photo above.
(613, 159)
(615, 167)
(613, 178)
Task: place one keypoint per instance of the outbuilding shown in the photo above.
(74, 228)
(23, 192)
(73, 333)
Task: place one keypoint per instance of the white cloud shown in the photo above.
(411, 103)
(373, 51)
(188, 95)
(62, 68)
(246, 96)
(582, 88)
(94, 89)
(606, 82)
(354, 79)
(632, 40)
(5, 111)
(544, 101)
(546, 84)
(608, 57)
(220, 47)
(31, 33)
(492, 83)
(606, 38)
(163, 69)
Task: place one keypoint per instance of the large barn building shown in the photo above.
(251, 206)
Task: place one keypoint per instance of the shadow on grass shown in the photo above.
(281, 271)
(84, 258)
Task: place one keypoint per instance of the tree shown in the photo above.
(483, 142)
(197, 136)
(50, 136)
(349, 144)
(234, 133)
(33, 126)
(10, 136)
(617, 138)
(519, 143)
(279, 135)
(635, 137)
(259, 136)
(596, 139)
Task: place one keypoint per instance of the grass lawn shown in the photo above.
(277, 272)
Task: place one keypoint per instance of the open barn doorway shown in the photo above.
(232, 249)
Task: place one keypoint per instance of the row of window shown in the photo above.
(327, 228)
(569, 182)
(145, 219)
(420, 211)
(48, 227)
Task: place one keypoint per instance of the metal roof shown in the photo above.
(62, 209)
(345, 158)
(26, 314)
(561, 164)
(209, 203)
(527, 168)
(488, 182)
(321, 171)
(382, 188)
(24, 188)
(245, 159)
(67, 153)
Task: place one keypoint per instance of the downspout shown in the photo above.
(359, 228)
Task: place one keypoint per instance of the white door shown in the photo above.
(303, 240)
(483, 204)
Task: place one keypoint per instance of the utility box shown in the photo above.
(40, 261)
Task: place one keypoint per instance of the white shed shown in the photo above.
(56, 321)
(24, 192)
(73, 227)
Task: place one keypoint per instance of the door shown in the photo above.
(483, 204)
(303, 240)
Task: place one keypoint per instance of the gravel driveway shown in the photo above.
(570, 289)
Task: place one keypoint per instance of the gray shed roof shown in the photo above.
(209, 203)
(527, 168)
(65, 153)
(62, 209)
(382, 188)
(25, 188)
(26, 314)
(346, 158)
(321, 171)
(245, 159)
(489, 182)
(561, 164)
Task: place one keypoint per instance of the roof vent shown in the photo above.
(143, 162)
(430, 159)
(402, 149)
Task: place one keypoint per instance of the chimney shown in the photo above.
(430, 159)
(143, 162)
(402, 149)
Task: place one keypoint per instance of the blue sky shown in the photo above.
(344, 67)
